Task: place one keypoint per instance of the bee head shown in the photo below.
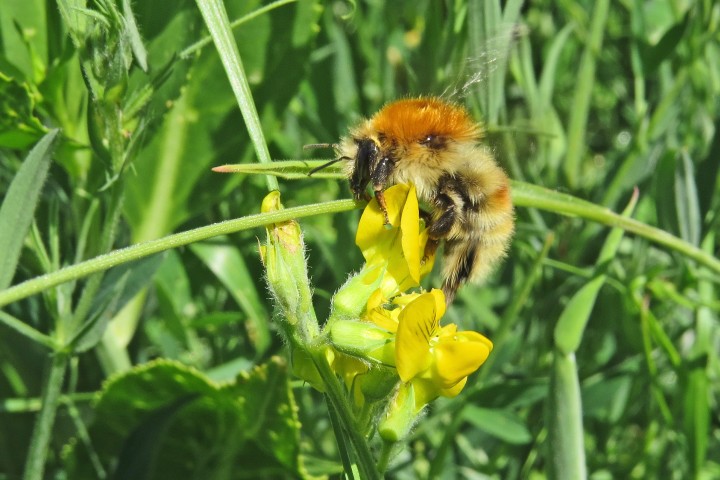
(366, 158)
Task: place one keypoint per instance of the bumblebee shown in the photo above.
(435, 145)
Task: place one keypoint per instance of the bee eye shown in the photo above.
(433, 141)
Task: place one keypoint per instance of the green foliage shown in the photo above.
(112, 114)
(165, 420)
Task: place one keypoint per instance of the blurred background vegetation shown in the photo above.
(593, 99)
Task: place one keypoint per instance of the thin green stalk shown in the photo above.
(141, 250)
(336, 395)
(29, 405)
(35, 463)
(234, 24)
(107, 238)
(340, 438)
(216, 19)
(566, 446)
(26, 330)
(528, 195)
(385, 455)
(655, 386)
(524, 195)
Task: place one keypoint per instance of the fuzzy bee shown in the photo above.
(435, 145)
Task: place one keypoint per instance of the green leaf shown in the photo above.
(118, 287)
(697, 415)
(607, 399)
(142, 446)
(653, 55)
(229, 266)
(677, 196)
(707, 174)
(573, 320)
(501, 424)
(24, 36)
(217, 22)
(18, 207)
(248, 426)
(136, 42)
(686, 199)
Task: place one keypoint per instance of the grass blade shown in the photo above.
(18, 208)
(216, 19)
(581, 101)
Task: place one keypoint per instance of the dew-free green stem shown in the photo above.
(234, 24)
(216, 19)
(37, 454)
(26, 330)
(340, 439)
(528, 195)
(524, 195)
(566, 446)
(108, 236)
(141, 250)
(336, 395)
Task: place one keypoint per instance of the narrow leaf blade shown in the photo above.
(18, 208)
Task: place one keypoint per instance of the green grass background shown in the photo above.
(606, 358)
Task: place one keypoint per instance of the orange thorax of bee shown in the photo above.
(409, 121)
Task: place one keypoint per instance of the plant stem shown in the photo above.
(528, 195)
(336, 395)
(37, 454)
(385, 455)
(142, 250)
(567, 452)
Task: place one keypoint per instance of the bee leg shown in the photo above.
(444, 217)
(383, 206)
(379, 176)
(430, 248)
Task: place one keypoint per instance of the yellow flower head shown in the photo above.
(399, 246)
(393, 253)
(435, 360)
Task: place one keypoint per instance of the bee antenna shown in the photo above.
(319, 145)
(325, 165)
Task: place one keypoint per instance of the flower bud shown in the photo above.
(350, 300)
(401, 415)
(286, 270)
(364, 340)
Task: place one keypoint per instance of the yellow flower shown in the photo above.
(435, 360)
(393, 253)
(407, 335)
(399, 246)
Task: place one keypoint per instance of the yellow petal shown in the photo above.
(455, 390)
(416, 325)
(439, 298)
(410, 228)
(372, 234)
(459, 355)
(426, 264)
